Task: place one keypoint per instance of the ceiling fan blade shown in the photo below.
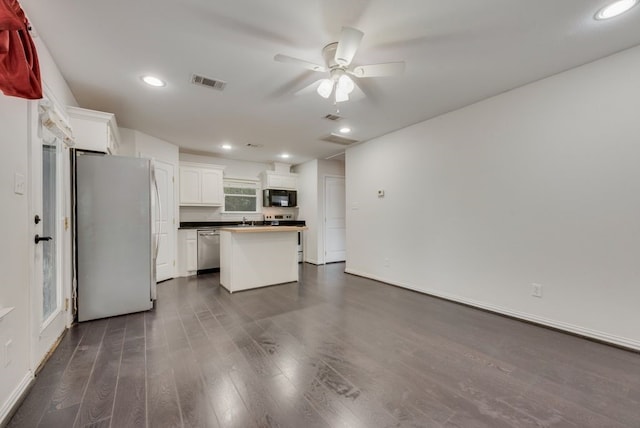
(292, 86)
(379, 70)
(348, 45)
(302, 63)
(357, 94)
(309, 88)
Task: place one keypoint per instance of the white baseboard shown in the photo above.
(571, 328)
(8, 406)
(313, 262)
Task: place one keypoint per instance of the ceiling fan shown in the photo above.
(338, 57)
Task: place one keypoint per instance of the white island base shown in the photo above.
(252, 257)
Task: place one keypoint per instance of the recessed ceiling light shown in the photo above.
(285, 155)
(345, 130)
(614, 9)
(153, 81)
(226, 146)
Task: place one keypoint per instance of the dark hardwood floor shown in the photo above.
(334, 351)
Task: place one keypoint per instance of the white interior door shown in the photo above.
(335, 220)
(47, 195)
(165, 225)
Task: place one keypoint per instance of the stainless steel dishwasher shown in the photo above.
(208, 250)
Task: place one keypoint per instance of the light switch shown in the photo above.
(18, 184)
(381, 193)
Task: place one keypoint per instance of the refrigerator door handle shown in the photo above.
(159, 214)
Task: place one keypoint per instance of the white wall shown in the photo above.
(127, 145)
(308, 208)
(14, 252)
(16, 227)
(311, 177)
(540, 184)
(136, 143)
(233, 168)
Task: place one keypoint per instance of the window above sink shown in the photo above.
(241, 196)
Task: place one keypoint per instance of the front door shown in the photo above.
(48, 311)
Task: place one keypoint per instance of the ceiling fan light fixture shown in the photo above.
(345, 84)
(325, 88)
(614, 9)
(341, 96)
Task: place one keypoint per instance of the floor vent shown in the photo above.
(209, 83)
(339, 139)
(333, 117)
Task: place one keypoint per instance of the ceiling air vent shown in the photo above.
(254, 146)
(333, 117)
(339, 139)
(209, 83)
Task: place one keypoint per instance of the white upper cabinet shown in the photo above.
(212, 191)
(94, 130)
(190, 185)
(279, 180)
(201, 184)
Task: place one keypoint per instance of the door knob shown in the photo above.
(36, 219)
(39, 238)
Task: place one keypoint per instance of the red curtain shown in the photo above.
(19, 68)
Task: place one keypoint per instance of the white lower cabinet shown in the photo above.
(187, 252)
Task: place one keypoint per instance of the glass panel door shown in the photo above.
(50, 294)
(48, 170)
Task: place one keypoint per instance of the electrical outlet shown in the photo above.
(7, 352)
(536, 290)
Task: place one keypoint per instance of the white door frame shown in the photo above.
(324, 215)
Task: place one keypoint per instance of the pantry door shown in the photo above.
(335, 220)
(164, 217)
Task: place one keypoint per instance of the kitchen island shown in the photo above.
(258, 256)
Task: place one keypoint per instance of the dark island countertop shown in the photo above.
(216, 224)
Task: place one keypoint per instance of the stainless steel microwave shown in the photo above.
(279, 198)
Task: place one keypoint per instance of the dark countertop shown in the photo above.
(211, 224)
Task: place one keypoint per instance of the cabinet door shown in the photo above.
(192, 255)
(190, 186)
(212, 192)
(281, 181)
(289, 182)
(275, 181)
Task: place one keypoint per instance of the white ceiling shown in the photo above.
(456, 52)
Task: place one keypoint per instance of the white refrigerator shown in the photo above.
(115, 241)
